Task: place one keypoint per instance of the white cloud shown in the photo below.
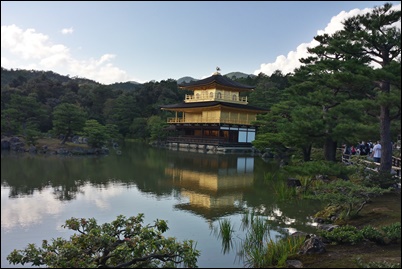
(66, 31)
(27, 211)
(28, 49)
(288, 63)
(25, 44)
(101, 196)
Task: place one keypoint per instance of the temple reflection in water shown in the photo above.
(213, 184)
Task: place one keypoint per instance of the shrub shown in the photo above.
(124, 242)
(346, 234)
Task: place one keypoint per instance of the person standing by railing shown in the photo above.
(377, 152)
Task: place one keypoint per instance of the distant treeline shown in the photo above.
(29, 99)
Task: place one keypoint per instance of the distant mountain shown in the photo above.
(126, 86)
(16, 77)
(232, 75)
(185, 80)
(238, 75)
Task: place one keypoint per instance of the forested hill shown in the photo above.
(15, 77)
(236, 75)
(29, 99)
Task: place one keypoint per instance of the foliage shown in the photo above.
(392, 232)
(346, 234)
(156, 127)
(100, 96)
(349, 234)
(260, 251)
(375, 38)
(9, 124)
(372, 234)
(284, 192)
(225, 232)
(281, 186)
(138, 128)
(113, 132)
(31, 136)
(268, 91)
(349, 196)
(369, 176)
(323, 168)
(96, 133)
(21, 113)
(337, 96)
(67, 120)
(122, 111)
(253, 246)
(123, 243)
(30, 96)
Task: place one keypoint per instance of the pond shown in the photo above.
(192, 191)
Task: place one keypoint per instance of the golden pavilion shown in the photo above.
(216, 115)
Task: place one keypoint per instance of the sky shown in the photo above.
(142, 41)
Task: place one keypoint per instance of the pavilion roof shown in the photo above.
(216, 78)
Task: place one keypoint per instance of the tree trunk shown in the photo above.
(306, 153)
(386, 146)
(330, 149)
(65, 137)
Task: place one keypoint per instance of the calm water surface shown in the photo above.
(192, 191)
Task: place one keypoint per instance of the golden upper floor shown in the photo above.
(216, 95)
(216, 88)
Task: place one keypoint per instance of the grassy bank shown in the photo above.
(382, 211)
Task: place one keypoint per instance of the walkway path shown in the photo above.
(350, 159)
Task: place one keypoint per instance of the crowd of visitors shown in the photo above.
(365, 148)
(373, 153)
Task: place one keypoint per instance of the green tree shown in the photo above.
(31, 136)
(156, 127)
(96, 133)
(122, 111)
(68, 119)
(269, 90)
(113, 132)
(337, 88)
(347, 195)
(24, 110)
(328, 94)
(9, 123)
(376, 40)
(287, 125)
(123, 243)
(138, 129)
(99, 96)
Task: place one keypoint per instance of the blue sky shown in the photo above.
(119, 41)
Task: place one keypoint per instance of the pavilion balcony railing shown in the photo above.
(210, 120)
(224, 98)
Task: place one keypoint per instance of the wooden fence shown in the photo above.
(350, 159)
